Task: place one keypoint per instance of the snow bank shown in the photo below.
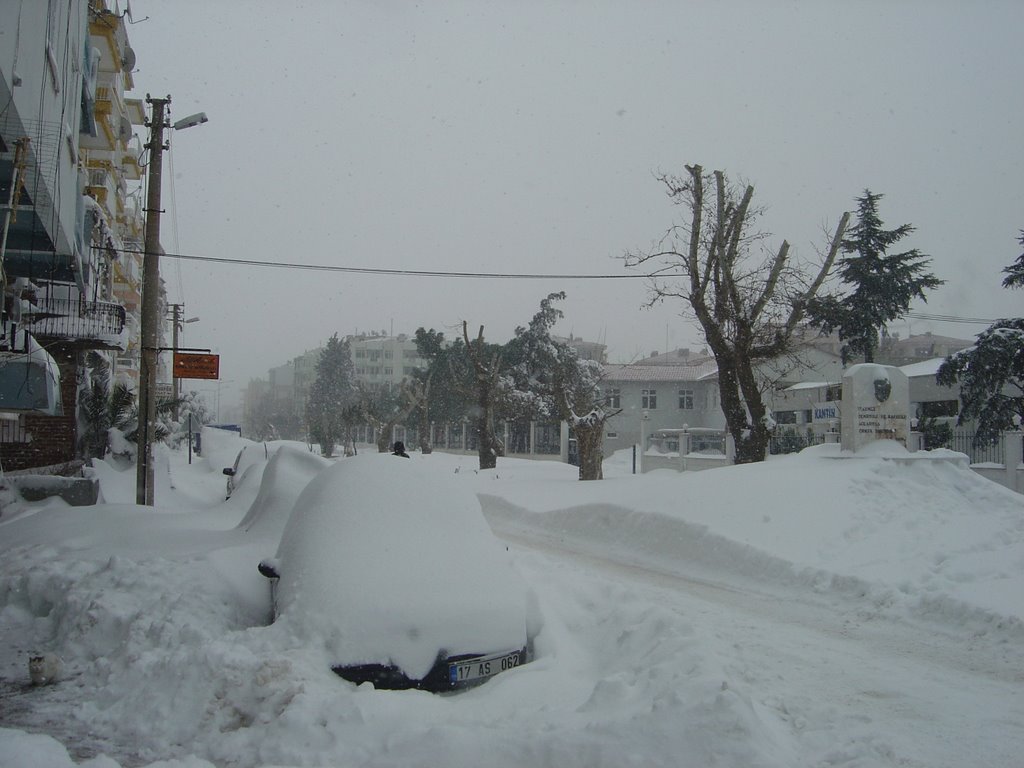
(162, 620)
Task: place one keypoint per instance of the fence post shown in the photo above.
(1013, 457)
(915, 441)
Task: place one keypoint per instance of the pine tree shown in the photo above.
(991, 379)
(548, 379)
(881, 285)
(1015, 272)
(331, 395)
(991, 372)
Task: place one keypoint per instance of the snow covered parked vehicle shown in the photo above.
(393, 569)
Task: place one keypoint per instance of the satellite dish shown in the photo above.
(128, 59)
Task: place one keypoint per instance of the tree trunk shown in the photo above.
(424, 414)
(425, 436)
(754, 445)
(591, 451)
(383, 437)
(487, 443)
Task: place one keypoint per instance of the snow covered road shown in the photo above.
(832, 678)
(725, 618)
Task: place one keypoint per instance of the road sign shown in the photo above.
(192, 366)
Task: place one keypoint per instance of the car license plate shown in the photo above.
(482, 666)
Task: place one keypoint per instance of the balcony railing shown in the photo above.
(100, 321)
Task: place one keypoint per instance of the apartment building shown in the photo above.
(67, 157)
(384, 361)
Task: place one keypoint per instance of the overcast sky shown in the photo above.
(524, 138)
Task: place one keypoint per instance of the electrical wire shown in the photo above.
(392, 272)
(485, 276)
(950, 318)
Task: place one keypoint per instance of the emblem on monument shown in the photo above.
(883, 388)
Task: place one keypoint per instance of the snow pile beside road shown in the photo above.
(660, 644)
(927, 529)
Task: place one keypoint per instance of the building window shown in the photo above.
(834, 393)
(649, 399)
(939, 408)
(614, 397)
(785, 417)
(686, 399)
(360, 354)
(388, 370)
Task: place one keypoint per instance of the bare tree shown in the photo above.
(486, 368)
(748, 309)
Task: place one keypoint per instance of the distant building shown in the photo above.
(384, 361)
(277, 406)
(653, 397)
(585, 350)
(918, 348)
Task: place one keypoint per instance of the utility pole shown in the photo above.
(151, 295)
(150, 307)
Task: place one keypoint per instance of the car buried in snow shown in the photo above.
(392, 568)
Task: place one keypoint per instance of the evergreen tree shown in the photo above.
(331, 395)
(881, 285)
(548, 380)
(385, 408)
(1015, 272)
(991, 373)
(449, 397)
(991, 379)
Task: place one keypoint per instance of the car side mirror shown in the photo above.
(229, 471)
(269, 569)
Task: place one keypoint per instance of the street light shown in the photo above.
(150, 296)
(219, 382)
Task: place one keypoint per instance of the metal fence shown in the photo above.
(987, 453)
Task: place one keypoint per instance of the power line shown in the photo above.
(950, 318)
(382, 271)
(485, 275)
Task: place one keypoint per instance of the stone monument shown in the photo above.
(876, 405)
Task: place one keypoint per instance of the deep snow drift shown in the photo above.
(809, 611)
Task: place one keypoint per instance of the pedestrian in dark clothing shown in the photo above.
(399, 449)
